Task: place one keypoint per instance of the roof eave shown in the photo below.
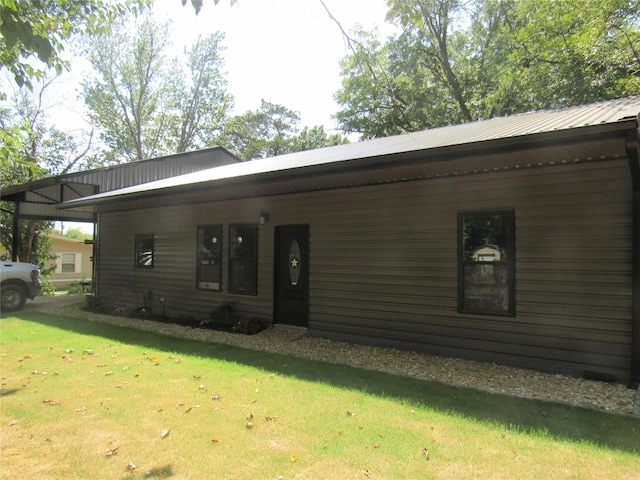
(437, 154)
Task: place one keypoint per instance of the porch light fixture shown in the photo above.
(264, 217)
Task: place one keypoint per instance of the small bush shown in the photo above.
(75, 288)
(47, 287)
(222, 316)
(104, 304)
(251, 326)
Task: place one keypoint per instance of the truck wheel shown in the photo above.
(13, 297)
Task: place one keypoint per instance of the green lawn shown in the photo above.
(82, 400)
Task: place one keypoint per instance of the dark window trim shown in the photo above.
(511, 261)
(137, 253)
(220, 227)
(232, 260)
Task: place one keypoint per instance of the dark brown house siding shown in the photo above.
(383, 261)
(384, 268)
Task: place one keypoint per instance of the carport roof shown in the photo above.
(612, 114)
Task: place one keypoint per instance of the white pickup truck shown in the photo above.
(18, 281)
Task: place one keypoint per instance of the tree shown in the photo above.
(147, 105)
(263, 133)
(461, 61)
(567, 53)
(315, 137)
(40, 28)
(199, 99)
(197, 4)
(128, 96)
(27, 163)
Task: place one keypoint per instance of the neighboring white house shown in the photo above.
(74, 262)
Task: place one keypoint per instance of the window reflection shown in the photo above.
(487, 270)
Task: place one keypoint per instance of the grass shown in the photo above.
(81, 400)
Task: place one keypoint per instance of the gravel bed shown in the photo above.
(614, 398)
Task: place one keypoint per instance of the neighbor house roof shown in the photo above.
(609, 115)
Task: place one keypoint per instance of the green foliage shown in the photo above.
(457, 61)
(222, 316)
(315, 137)
(128, 94)
(36, 152)
(39, 29)
(147, 104)
(263, 133)
(197, 4)
(273, 130)
(48, 288)
(75, 288)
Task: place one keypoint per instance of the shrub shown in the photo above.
(251, 326)
(222, 316)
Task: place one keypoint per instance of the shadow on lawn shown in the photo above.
(558, 420)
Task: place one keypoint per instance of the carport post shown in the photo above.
(15, 240)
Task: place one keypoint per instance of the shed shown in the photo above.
(512, 240)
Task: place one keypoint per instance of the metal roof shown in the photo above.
(363, 154)
(39, 198)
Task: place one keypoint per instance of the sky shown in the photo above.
(283, 51)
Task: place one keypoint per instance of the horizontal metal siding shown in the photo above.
(139, 172)
(173, 276)
(384, 266)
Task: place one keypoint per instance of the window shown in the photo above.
(69, 262)
(144, 250)
(486, 265)
(209, 268)
(243, 259)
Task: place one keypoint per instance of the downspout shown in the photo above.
(633, 155)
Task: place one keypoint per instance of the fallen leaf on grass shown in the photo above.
(52, 402)
(165, 433)
(215, 440)
(294, 458)
(89, 352)
(106, 374)
(112, 451)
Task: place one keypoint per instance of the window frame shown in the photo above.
(61, 264)
(216, 257)
(139, 238)
(250, 259)
(508, 261)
